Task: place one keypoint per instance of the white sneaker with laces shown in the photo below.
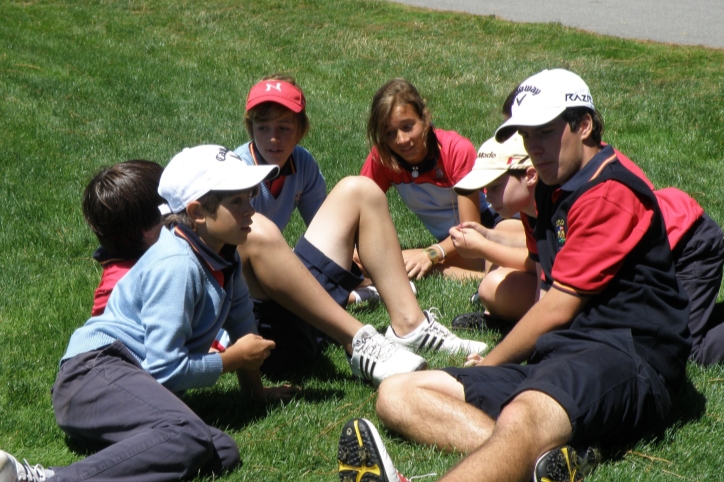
(431, 335)
(375, 358)
(13, 471)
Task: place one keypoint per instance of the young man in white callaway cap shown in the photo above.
(606, 347)
(506, 173)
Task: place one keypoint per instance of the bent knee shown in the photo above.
(263, 233)
(358, 187)
(489, 287)
(392, 393)
(534, 411)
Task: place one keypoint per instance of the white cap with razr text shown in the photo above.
(543, 97)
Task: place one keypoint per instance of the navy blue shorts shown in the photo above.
(297, 341)
(609, 393)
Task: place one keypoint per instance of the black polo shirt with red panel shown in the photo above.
(601, 234)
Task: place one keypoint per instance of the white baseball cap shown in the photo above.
(494, 160)
(543, 97)
(195, 171)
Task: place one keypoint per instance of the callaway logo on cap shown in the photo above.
(195, 171)
(543, 97)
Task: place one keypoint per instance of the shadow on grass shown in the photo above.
(689, 405)
(231, 410)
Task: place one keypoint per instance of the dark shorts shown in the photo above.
(490, 218)
(699, 258)
(609, 393)
(297, 341)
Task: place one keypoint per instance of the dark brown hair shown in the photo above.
(120, 203)
(394, 93)
(267, 111)
(574, 115)
(209, 201)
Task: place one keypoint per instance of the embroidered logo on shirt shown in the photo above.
(561, 232)
(297, 197)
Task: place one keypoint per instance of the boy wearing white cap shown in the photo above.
(120, 377)
(506, 173)
(606, 347)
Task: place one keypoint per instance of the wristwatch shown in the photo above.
(433, 255)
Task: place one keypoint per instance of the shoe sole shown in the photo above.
(357, 454)
(564, 465)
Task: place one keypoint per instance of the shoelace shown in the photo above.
(436, 328)
(375, 346)
(33, 473)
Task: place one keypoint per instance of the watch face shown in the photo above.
(432, 254)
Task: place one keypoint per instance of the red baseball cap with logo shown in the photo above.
(277, 91)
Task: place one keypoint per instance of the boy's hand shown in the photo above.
(417, 264)
(474, 359)
(474, 226)
(467, 241)
(249, 352)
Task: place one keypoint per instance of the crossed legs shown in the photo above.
(430, 408)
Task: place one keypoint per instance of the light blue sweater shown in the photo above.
(304, 190)
(167, 310)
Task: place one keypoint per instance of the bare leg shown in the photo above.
(356, 213)
(273, 271)
(511, 225)
(508, 293)
(530, 425)
(461, 268)
(429, 408)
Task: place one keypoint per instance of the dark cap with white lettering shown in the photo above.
(543, 97)
(278, 91)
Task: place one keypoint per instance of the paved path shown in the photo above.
(689, 22)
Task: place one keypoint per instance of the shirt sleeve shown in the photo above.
(240, 320)
(604, 225)
(680, 212)
(374, 169)
(171, 293)
(460, 160)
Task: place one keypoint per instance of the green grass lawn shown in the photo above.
(84, 84)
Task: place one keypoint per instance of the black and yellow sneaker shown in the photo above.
(362, 455)
(564, 464)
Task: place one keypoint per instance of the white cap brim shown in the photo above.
(477, 179)
(535, 118)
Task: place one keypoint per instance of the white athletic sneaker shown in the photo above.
(375, 358)
(362, 455)
(13, 471)
(431, 335)
(370, 293)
